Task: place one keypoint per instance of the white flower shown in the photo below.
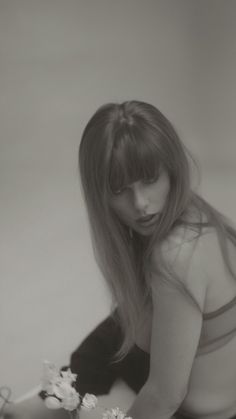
(71, 402)
(68, 395)
(68, 376)
(89, 401)
(114, 413)
(52, 402)
(49, 370)
(60, 392)
(50, 377)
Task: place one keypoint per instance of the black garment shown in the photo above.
(93, 362)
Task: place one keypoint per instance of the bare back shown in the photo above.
(212, 382)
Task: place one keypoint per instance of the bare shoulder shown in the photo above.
(184, 245)
(189, 256)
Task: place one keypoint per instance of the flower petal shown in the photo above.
(68, 376)
(89, 401)
(52, 403)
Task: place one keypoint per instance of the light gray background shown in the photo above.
(59, 61)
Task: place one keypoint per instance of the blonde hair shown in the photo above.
(122, 143)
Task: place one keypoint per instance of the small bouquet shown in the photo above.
(59, 387)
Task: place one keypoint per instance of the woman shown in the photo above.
(169, 260)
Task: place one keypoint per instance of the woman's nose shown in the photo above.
(140, 199)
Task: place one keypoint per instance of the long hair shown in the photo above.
(120, 144)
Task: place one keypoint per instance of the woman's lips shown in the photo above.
(147, 219)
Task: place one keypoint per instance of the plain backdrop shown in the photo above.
(59, 61)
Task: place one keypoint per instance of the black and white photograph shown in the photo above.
(118, 209)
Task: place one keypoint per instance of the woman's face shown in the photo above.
(139, 204)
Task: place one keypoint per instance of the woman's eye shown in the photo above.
(150, 180)
(119, 191)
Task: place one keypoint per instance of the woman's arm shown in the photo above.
(176, 328)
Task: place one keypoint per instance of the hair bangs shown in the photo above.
(134, 157)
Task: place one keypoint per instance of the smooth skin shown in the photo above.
(140, 199)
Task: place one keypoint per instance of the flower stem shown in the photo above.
(73, 415)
